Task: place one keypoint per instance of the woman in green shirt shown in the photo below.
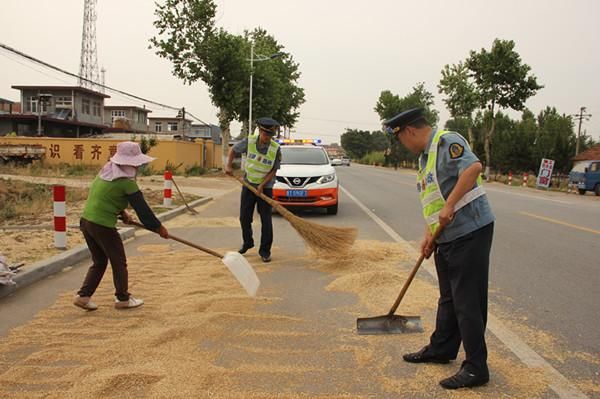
(110, 193)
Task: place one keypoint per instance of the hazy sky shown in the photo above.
(348, 51)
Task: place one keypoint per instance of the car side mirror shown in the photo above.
(586, 170)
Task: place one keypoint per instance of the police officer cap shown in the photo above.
(268, 124)
(403, 119)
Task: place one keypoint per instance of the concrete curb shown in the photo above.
(55, 264)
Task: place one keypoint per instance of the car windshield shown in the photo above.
(580, 167)
(303, 156)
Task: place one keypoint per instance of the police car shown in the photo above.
(306, 177)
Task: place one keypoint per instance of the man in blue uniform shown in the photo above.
(263, 158)
(452, 198)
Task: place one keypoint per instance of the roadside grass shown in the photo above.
(23, 200)
(40, 169)
(29, 202)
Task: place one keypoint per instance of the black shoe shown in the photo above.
(423, 357)
(245, 248)
(464, 379)
(266, 259)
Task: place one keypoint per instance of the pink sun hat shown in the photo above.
(129, 153)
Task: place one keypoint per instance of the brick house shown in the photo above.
(65, 111)
(205, 132)
(172, 126)
(126, 118)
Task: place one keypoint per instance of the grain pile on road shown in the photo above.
(200, 336)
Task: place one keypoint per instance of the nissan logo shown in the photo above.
(297, 181)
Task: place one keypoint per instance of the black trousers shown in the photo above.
(105, 244)
(462, 269)
(247, 203)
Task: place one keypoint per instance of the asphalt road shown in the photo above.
(545, 262)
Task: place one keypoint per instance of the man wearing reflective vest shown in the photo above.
(263, 158)
(452, 198)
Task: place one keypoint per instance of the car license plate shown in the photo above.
(581, 185)
(297, 193)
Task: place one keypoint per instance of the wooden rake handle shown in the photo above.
(181, 240)
(411, 276)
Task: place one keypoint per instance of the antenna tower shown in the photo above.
(88, 67)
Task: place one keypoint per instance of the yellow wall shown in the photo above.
(98, 151)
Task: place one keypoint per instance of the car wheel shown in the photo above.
(581, 191)
(597, 189)
(332, 210)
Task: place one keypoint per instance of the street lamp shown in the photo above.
(252, 59)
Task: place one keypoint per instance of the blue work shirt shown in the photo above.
(475, 214)
(242, 148)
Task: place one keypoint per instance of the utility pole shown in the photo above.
(183, 121)
(42, 101)
(250, 101)
(581, 116)
(181, 114)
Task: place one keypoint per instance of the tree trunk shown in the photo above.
(224, 122)
(245, 129)
(486, 144)
(470, 135)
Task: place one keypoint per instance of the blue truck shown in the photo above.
(585, 176)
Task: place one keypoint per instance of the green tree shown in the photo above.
(555, 140)
(390, 104)
(188, 38)
(378, 141)
(356, 143)
(275, 82)
(501, 81)
(461, 97)
(505, 142)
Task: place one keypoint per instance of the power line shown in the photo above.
(81, 78)
(35, 69)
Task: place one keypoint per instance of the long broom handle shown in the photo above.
(183, 198)
(181, 240)
(411, 276)
(270, 201)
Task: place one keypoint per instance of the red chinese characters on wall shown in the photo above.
(112, 150)
(96, 152)
(55, 151)
(78, 151)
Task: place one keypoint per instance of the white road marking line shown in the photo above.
(558, 383)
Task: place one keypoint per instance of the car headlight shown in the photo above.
(326, 179)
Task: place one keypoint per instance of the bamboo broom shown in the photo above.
(323, 240)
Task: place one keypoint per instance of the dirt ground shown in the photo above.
(29, 237)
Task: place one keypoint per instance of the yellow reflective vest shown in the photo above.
(432, 200)
(258, 165)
